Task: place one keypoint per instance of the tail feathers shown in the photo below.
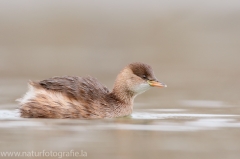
(30, 93)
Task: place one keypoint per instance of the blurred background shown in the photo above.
(193, 47)
(190, 45)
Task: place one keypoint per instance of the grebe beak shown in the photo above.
(156, 84)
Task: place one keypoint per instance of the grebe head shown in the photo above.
(136, 78)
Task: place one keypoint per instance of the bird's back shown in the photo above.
(78, 88)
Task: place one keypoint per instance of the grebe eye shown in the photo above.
(144, 77)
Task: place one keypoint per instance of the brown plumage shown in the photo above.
(85, 97)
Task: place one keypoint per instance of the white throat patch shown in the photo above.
(141, 88)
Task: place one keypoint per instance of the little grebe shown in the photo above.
(85, 97)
